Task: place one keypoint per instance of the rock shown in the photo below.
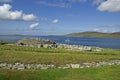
(3, 65)
(18, 66)
(67, 66)
(75, 65)
(87, 65)
(44, 66)
(38, 66)
(21, 66)
(52, 66)
(9, 66)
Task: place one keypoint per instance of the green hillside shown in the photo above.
(95, 34)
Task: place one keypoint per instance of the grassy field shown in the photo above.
(12, 54)
(100, 73)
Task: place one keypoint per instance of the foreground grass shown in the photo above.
(12, 54)
(100, 73)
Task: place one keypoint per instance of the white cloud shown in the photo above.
(107, 28)
(5, 1)
(29, 17)
(60, 3)
(55, 4)
(55, 21)
(110, 6)
(33, 26)
(7, 14)
(104, 30)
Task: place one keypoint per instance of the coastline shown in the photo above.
(111, 43)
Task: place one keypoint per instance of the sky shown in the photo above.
(58, 17)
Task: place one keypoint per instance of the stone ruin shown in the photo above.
(40, 43)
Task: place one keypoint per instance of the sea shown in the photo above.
(113, 43)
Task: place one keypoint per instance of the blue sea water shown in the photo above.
(113, 43)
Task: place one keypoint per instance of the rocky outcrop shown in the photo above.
(52, 66)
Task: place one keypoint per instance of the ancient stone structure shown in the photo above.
(39, 43)
(34, 42)
(52, 66)
(79, 48)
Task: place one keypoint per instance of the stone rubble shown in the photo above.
(79, 47)
(20, 66)
(39, 43)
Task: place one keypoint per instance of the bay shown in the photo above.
(113, 43)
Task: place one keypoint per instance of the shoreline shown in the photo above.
(108, 41)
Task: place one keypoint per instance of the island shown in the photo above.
(95, 35)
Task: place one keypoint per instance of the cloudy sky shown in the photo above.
(54, 17)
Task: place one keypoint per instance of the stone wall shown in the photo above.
(52, 66)
(79, 47)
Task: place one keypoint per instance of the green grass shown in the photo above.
(12, 54)
(100, 73)
(4, 42)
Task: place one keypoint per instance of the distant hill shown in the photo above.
(13, 35)
(95, 34)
